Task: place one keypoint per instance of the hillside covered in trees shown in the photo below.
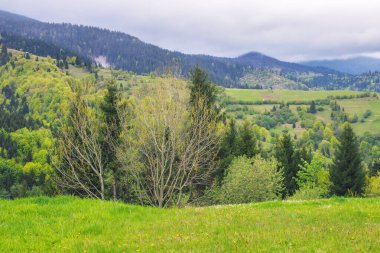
(164, 141)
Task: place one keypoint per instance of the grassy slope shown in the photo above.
(358, 107)
(70, 224)
(284, 95)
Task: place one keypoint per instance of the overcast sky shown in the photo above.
(292, 30)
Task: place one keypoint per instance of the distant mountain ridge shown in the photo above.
(354, 66)
(122, 51)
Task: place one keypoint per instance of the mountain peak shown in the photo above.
(252, 54)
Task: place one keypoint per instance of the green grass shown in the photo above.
(358, 107)
(67, 224)
(284, 95)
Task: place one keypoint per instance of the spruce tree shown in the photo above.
(4, 57)
(347, 173)
(227, 149)
(111, 132)
(247, 143)
(284, 153)
(312, 108)
(202, 89)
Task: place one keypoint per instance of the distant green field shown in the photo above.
(67, 224)
(354, 106)
(358, 107)
(284, 95)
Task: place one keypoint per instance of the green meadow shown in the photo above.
(68, 224)
(353, 106)
(284, 95)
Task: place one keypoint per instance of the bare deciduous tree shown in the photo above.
(166, 151)
(81, 164)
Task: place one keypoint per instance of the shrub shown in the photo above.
(306, 193)
(251, 180)
(373, 187)
(367, 114)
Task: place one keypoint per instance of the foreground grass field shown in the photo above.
(67, 224)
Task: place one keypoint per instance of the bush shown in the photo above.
(367, 114)
(373, 187)
(251, 180)
(306, 193)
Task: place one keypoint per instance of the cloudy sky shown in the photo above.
(291, 30)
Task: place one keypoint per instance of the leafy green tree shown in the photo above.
(347, 173)
(308, 174)
(251, 180)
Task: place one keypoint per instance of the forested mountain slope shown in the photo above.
(122, 51)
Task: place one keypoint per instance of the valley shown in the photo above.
(112, 144)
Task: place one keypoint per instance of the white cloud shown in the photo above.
(286, 29)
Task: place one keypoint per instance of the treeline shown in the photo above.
(165, 148)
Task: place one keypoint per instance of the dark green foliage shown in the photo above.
(289, 161)
(312, 108)
(367, 114)
(375, 168)
(16, 183)
(42, 48)
(202, 88)
(347, 174)
(111, 132)
(228, 149)
(14, 111)
(282, 115)
(247, 143)
(4, 57)
(238, 141)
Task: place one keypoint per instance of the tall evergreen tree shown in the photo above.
(347, 173)
(111, 132)
(4, 57)
(203, 108)
(312, 108)
(227, 149)
(202, 89)
(247, 143)
(284, 153)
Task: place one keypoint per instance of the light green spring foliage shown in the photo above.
(373, 186)
(313, 178)
(46, 87)
(67, 224)
(47, 90)
(251, 180)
